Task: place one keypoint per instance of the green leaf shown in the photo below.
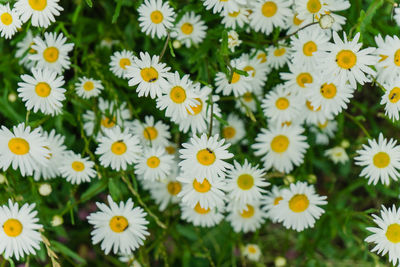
(117, 11)
(94, 189)
(66, 251)
(89, 3)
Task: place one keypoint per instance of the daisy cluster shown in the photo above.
(188, 159)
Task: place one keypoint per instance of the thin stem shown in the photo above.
(351, 117)
(211, 115)
(299, 29)
(165, 46)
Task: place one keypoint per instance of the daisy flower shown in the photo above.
(76, 169)
(205, 157)
(283, 148)
(299, 207)
(23, 149)
(41, 12)
(280, 105)
(52, 52)
(24, 50)
(178, 97)
(245, 184)
(246, 220)
(88, 87)
(151, 132)
(294, 23)
(337, 154)
(236, 83)
(190, 30)
(156, 17)
(118, 148)
(148, 74)
(120, 61)
(389, 63)
(324, 131)
(380, 160)
(224, 6)
(391, 100)
(271, 201)
(257, 70)
(19, 233)
(9, 21)
(252, 252)
(247, 102)
(154, 164)
(43, 91)
(200, 216)
(267, 14)
(233, 40)
(234, 131)
(120, 228)
(313, 115)
(236, 19)
(345, 60)
(278, 56)
(300, 79)
(208, 193)
(386, 236)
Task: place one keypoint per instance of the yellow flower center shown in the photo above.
(328, 90)
(123, 62)
(269, 9)
(150, 133)
(174, 188)
(153, 162)
(88, 86)
(118, 224)
(196, 109)
(43, 89)
(277, 200)
(309, 48)
(282, 103)
(187, 28)
(252, 249)
(149, 75)
(203, 187)
(31, 50)
(346, 59)
(323, 125)
(296, 20)
(107, 122)
(235, 78)
(280, 144)
(394, 95)
(6, 18)
(228, 132)
(118, 148)
(303, 78)
(314, 6)
(245, 181)
(248, 97)
(381, 160)
(234, 14)
(393, 233)
(279, 52)
(12, 227)
(299, 203)
(78, 166)
(250, 68)
(50, 54)
(156, 17)
(178, 94)
(311, 107)
(397, 57)
(206, 157)
(200, 210)
(262, 57)
(38, 5)
(170, 150)
(248, 213)
(18, 146)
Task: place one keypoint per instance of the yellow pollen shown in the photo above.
(252, 249)
(282, 103)
(235, 78)
(248, 97)
(262, 57)
(382, 57)
(296, 20)
(269, 9)
(323, 125)
(156, 17)
(328, 90)
(205, 157)
(50, 54)
(228, 132)
(174, 188)
(203, 187)
(200, 210)
(178, 94)
(118, 224)
(88, 86)
(314, 6)
(43, 89)
(150, 133)
(245, 181)
(12, 227)
(123, 62)
(78, 166)
(153, 162)
(279, 52)
(277, 200)
(248, 213)
(170, 150)
(196, 109)
(299, 203)
(346, 59)
(304, 78)
(397, 58)
(18, 146)
(250, 68)
(311, 107)
(381, 160)
(187, 28)
(280, 144)
(394, 95)
(309, 48)
(149, 75)
(107, 122)
(393, 233)
(234, 14)
(118, 148)
(6, 18)
(38, 5)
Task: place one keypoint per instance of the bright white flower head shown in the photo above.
(252, 252)
(9, 21)
(236, 19)
(391, 100)
(205, 157)
(298, 209)
(271, 201)
(23, 149)
(235, 83)
(156, 17)
(246, 220)
(337, 154)
(381, 160)
(120, 61)
(386, 236)
(313, 115)
(52, 52)
(76, 169)
(154, 164)
(151, 132)
(283, 148)
(234, 131)
(278, 56)
(389, 64)
(300, 79)
(257, 70)
(148, 74)
(224, 6)
(120, 228)
(202, 217)
(294, 23)
(190, 30)
(88, 87)
(41, 12)
(43, 91)
(24, 50)
(118, 148)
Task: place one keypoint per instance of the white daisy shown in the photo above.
(201, 217)
(23, 149)
(257, 70)
(236, 19)
(151, 132)
(223, 6)
(154, 164)
(120, 228)
(156, 17)
(19, 233)
(190, 30)
(9, 21)
(247, 102)
(298, 209)
(279, 55)
(118, 148)
(252, 252)
(76, 169)
(324, 131)
(380, 160)
(337, 154)
(391, 100)
(52, 52)
(283, 148)
(246, 220)
(148, 74)
(271, 201)
(88, 87)
(43, 91)
(236, 83)
(313, 115)
(300, 79)
(41, 12)
(24, 50)
(234, 131)
(120, 61)
(294, 23)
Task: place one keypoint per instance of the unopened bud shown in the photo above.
(176, 44)
(45, 189)
(326, 21)
(57, 220)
